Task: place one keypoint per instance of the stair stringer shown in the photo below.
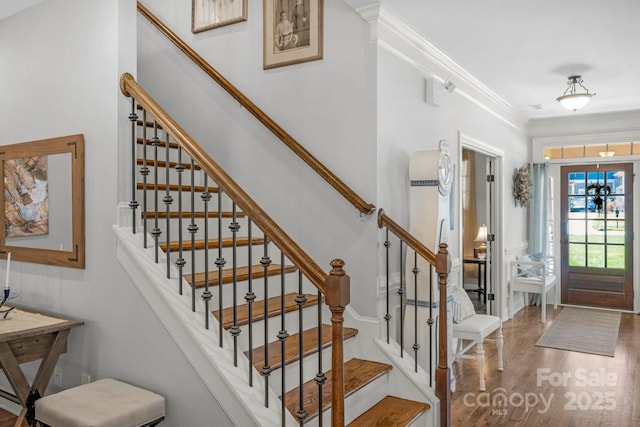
(227, 383)
(404, 382)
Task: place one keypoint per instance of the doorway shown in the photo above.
(478, 203)
(597, 235)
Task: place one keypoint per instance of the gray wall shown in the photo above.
(59, 72)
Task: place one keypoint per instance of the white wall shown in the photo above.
(328, 105)
(59, 69)
(407, 124)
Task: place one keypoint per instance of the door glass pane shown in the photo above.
(615, 256)
(615, 180)
(577, 257)
(576, 183)
(576, 231)
(595, 256)
(577, 206)
(615, 207)
(595, 230)
(615, 231)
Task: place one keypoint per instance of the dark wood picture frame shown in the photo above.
(74, 257)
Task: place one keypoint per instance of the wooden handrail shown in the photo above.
(248, 206)
(406, 237)
(268, 122)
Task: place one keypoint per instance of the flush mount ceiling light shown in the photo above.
(571, 99)
(607, 153)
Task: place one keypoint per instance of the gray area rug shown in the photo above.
(583, 330)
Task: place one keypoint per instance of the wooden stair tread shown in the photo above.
(163, 164)
(242, 274)
(213, 244)
(357, 374)
(309, 341)
(148, 124)
(175, 187)
(160, 143)
(185, 214)
(273, 309)
(390, 412)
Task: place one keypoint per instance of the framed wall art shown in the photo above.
(43, 201)
(210, 14)
(292, 32)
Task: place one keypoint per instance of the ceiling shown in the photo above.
(525, 50)
(11, 7)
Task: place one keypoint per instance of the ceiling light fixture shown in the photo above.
(607, 153)
(571, 99)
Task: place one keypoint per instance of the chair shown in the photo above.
(467, 325)
(532, 276)
(104, 403)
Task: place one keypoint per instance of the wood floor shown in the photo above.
(598, 390)
(613, 381)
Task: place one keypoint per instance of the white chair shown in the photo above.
(475, 328)
(536, 277)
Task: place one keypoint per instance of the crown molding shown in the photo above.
(391, 33)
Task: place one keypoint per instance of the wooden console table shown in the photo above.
(481, 263)
(25, 336)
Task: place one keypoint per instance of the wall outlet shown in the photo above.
(57, 376)
(86, 379)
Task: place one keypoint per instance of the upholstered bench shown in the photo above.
(104, 403)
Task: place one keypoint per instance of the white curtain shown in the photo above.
(538, 216)
(538, 211)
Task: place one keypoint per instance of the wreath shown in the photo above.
(522, 186)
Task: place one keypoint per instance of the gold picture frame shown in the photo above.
(44, 178)
(209, 14)
(293, 32)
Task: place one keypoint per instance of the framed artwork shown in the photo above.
(209, 14)
(292, 32)
(43, 201)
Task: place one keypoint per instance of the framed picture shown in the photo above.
(292, 32)
(43, 201)
(209, 14)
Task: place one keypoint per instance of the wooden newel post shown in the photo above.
(443, 379)
(337, 297)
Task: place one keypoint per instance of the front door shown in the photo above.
(597, 235)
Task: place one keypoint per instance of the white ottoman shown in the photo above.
(104, 403)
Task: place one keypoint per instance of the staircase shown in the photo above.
(277, 329)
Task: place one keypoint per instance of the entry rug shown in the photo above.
(583, 330)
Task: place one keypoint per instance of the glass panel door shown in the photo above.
(596, 239)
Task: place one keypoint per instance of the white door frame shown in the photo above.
(498, 272)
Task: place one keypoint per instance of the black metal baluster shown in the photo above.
(193, 229)
(155, 141)
(180, 262)
(401, 294)
(416, 346)
(133, 204)
(144, 171)
(266, 369)
(235, 329)
(168, 200)
(301, 300)
(320, 378)
(220, 262)
(387, 245)
(430, 323)
(250, 297)
(206, 295)
(283, 335)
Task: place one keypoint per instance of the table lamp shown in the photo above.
(482, 239)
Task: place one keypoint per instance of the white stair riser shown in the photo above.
(274, 325)
(358, 402)
(291, 286)
(309, 367)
